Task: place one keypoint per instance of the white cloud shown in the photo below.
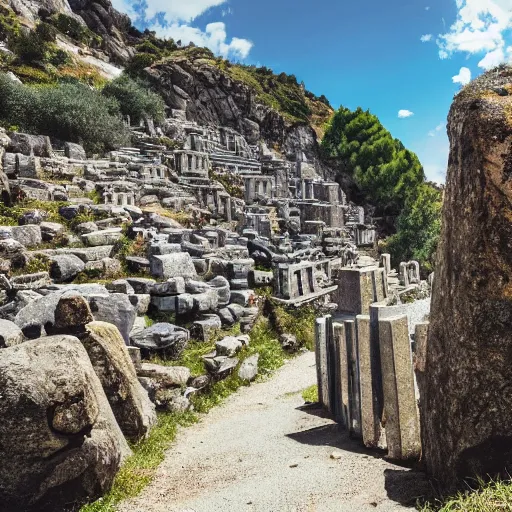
(403, 114)
(439, 128)
(213, 37)
(480, 28)
(463, 78)
(493, 59)
(426, 38)
(173, 18)
(427, 8)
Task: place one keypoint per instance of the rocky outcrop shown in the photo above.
(114, 27)
(59, 441)
(129, 401)
(466, 404)
(209, 96)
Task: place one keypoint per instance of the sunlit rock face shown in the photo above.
(466, 405)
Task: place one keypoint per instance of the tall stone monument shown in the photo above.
(466, 395)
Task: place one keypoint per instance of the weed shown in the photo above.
(311, 394)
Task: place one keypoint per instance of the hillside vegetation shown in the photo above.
(391, 178)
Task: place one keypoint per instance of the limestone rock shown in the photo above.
(173, 265)
(72, 312)
(466, 400)
(114, 308)
(111, 361)
(65, 447)
(167, 376)
(249, 368)
(10, 334)
(162, 337)
(65, 267)
(228, 346)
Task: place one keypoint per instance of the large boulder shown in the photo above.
(109, 356)
(59, 441)
(30, 145)
(466, 398)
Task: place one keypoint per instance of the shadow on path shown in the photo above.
(404, 486)
(407, 487)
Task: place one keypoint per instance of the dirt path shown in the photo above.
(262, 452)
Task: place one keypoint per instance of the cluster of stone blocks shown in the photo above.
(364, 355)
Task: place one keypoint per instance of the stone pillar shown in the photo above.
(354, 392)
(400, 407)
(356, 290)
(228, 209)
(342, 409)
(370, 377)
(403, 274)
(321, 361)
(385, 261)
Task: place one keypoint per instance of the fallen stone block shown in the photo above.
(162, 338)
(141, 285)
(173, 286)
(167, 376)
(30, 281)
(205, 328)
(228, 346)
(101, 238)
(220, 367)
(65, 267)
(173, 265)
(114, 308)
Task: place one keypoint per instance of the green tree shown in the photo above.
(135, 99)
(382, 167)
(418, 228)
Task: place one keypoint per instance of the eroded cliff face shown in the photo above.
(209, 96)
(466, 406)
(99, 16)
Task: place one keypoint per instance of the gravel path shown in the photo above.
(264, 451)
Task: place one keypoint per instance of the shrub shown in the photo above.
(70, 112)
(74, 29)
(29, 47)
(135, 99)
(139, 62)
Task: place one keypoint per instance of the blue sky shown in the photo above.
(402, 59)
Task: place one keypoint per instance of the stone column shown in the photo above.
(385, 260)
(342, 409)
(370, 377)
(354, 390)
(321, 361)
(400, 407)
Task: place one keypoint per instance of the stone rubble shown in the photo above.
(191, 238)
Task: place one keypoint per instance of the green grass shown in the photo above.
(485, 497)
(138, 470)
(297, 321)
(310, 394)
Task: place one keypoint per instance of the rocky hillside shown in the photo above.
(255, 102)
(91, 41)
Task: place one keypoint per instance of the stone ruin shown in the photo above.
(366, 352)
(214, 218)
